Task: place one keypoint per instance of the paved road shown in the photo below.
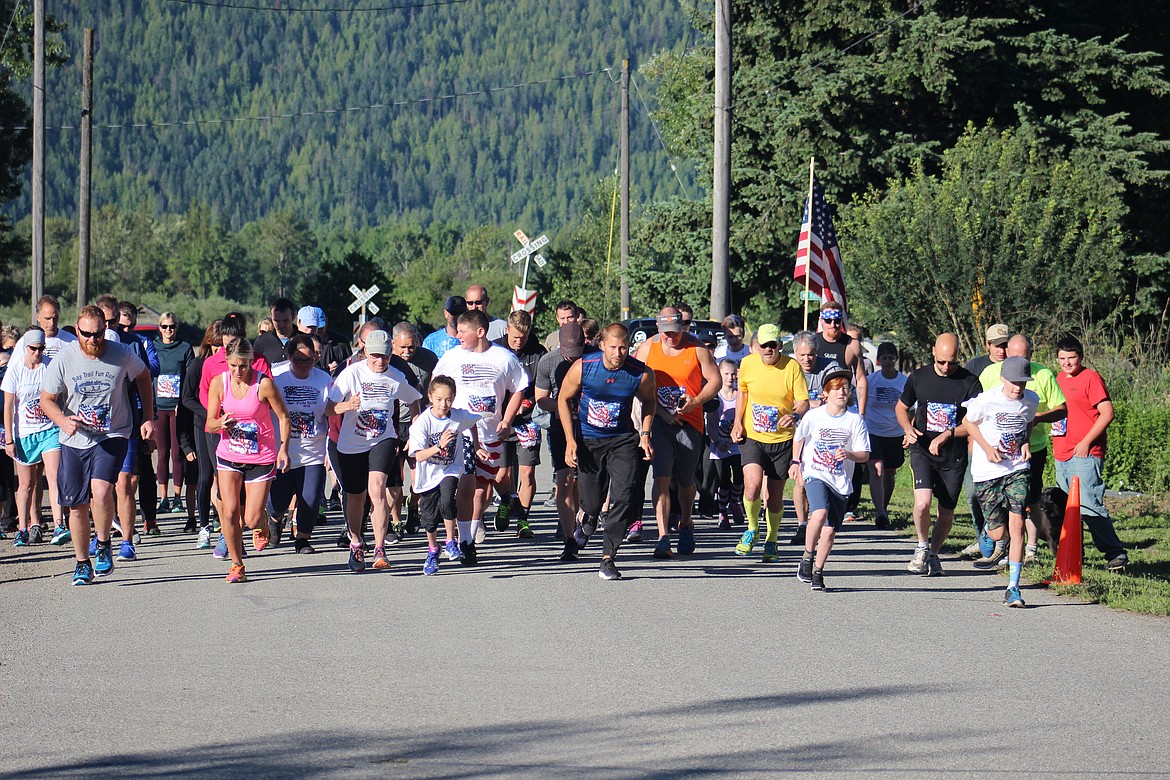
(523, 666)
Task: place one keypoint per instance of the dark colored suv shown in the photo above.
(642, 328)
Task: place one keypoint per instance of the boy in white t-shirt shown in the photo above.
(999, 422)
(437, 447)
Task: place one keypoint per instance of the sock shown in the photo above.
(1014, 569)
(923, 546)
(1031, 548)
(465, 530)
(818, 571)
(476, 524)
(433, 549)
(752, 508)
(773, 520)
(808, 555)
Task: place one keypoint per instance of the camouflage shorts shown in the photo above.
(1002, 496)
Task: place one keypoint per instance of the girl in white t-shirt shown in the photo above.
(724, 451)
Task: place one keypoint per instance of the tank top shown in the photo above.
(832, 351)
(675, 376)
(251, 440)
(607, 397)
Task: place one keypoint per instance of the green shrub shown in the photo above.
(1138, 455)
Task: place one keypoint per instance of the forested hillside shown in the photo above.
(526, 155)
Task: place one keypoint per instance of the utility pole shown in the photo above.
(86, 197)
(38, 159)
(721, 201)
(624, 164)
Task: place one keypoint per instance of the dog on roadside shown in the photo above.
(1049, 519)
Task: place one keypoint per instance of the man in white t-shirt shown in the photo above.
(999, 422)
(48, 317)
(885, 434)
(484, 373)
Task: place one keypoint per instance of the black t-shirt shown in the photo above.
(976, 364)
(830, 352)
(940, 407)
(529, 356)
(271, 347)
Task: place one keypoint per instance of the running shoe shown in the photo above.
(634, 535)
(260, 538)
(343, 540)
(990, 562)
(236, 574)
(189, 527)
(934, 566)
(747, 543)
(662, 549)
(35, 534)
(152, 529)
(1030, 558)
(164, 506)
(686, 541)
(850, 517)
(275, 530)
(396, 534)
(177, 504)
(412, 518)
(569, 554)
(451, 550)
(724, 522)
(93, 543)
(204, 540)
(523, 529)
(221, 551)
(818, 581)
(303, 547)
(589, 523)
(737, 515)
(1117, 564)
(672, 522)
(431, 567)
(881, 522)
(105, 560)
(1012, 598)
(83, 573)
(21, 539)
(771, 553)
(61, 535)
(380, 561)
(357, 558)
(504, 513)
(580, 537)
(798, 535)
(918, 564)
(804, 571)
(608, 570)
(115, 528)
(468, 557)
(126, 552)
(971, 551)
(986, 544)
(136, 538)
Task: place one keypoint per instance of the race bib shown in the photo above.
(941, 417)
(606, 415)
(528, 435)
(302, 425)
(372, 423)
(167, 386)
(669, 396)
(95, 417)
(481, 404)
(34, 414)
(765, 419)
(1060, 427)
(244, 438)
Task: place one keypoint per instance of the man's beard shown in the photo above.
(92, 349)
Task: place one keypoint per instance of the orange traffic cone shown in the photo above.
(1071, 551)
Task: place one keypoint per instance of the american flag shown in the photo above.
(818, 240)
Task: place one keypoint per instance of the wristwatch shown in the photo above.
(645, 433)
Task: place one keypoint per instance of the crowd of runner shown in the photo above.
(404, 434)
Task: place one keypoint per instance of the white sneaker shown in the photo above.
(204, 542)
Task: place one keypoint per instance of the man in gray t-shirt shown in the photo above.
(84, 394)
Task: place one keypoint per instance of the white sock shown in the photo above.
(476, 524)
(465, 534)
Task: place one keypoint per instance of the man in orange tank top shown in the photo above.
(687, 378)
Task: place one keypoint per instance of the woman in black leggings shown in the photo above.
(205, 443)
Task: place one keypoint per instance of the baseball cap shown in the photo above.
(378, 343)
(455, 305)
(669, 323)
(998, 334)
(572, 340)
(887, 348)
(311, 316)
(833, 373)
(1016, 369)
(767, 334)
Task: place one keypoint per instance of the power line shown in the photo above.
(11, 19)
(329, 111)
(317, 10)
(661, 141)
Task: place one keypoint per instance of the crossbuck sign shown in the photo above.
(523, 298)
(362, 300)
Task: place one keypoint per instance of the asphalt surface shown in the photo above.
(711, 664)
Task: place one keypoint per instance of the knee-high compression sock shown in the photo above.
(752, 508)
(773, 520)
(1014, 569)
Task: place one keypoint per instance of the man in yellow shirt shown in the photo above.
(772, 396)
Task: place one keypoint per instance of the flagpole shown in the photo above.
(808, 257)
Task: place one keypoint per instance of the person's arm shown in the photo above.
(1105, 408)
(545, 401)
(10, 439)
(738, 432)
(1058, 412)
(648, 395)
(270, 394)
(52, 409)
(215, 422)
(972, 428)
(860, 378)
(902, 412)
(189, 396)
(348, 403)
(570, 387)
(145, 383)
(510, 413)
(797, 449)
(152, 362)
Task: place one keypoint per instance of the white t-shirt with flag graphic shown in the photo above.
(481, 381)
(24, 385)
(363, 428)
(308, 426)
(1004, 424)
(425, 432)
(823, 435)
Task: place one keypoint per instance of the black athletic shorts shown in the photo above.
(438, 504)
(889, 450)
(356, 467)
(945, 478)
(773, 458)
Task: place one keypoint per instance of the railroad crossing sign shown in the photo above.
(362, 300)
(524, 298)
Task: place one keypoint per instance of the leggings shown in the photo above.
(205, 444)
(307, 483)
(170, 455)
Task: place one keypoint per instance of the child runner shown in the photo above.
(437, 447)
(724, 451)
(829, 440)
(999, 422)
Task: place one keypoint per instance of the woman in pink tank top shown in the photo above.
(240, 405)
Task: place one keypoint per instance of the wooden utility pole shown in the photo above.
(38, 158)
(85, 199)
(624, 163)
(721, 196)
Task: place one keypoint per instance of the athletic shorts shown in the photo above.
(356, 467)
(556, 446)
(821, 496)
(1036, 476)
(774, 459)
(130, 462)
(945, 479)
(889, 450)
(438, 504)
(1002, 496)
(29, 449)
(487, 472)
(525, 450)
(677, 449)
(103, 461)
(252, 472)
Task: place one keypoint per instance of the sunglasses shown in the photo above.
(481, 302)
(36, 347)
(300, 360)
(831, 318)
(166, 327)
(96, 335)
(946, 362)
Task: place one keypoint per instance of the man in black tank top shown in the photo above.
(834, 346)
